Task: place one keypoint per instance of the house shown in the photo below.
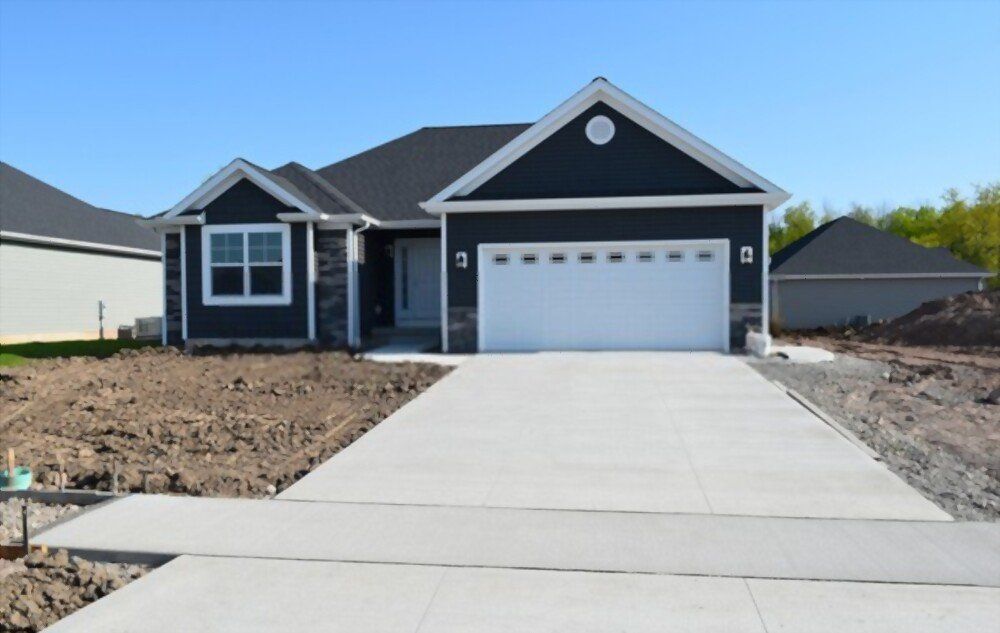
(61, 257)
(603, 225)
(846, 270)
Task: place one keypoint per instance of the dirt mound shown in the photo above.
(228, 424)
(971, 319)
(41, 588)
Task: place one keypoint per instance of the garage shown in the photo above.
(667, 295)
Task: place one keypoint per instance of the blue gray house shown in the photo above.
(603, 225)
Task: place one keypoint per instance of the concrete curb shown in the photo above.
(822, 415)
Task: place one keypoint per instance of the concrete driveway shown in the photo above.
(645, 432)
(563, 492)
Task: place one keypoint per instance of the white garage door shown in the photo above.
(592, 296)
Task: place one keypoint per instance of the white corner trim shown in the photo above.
(444, 283)
(351, 284)
(208, 299)
(429, 223)
(618, 202)
(229, 176)
(602, 90)
(184, 290)
(311, 280)
(44, 240)
(969, 275)
(765, 264)
(163, 223)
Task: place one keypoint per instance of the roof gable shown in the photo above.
(846, 247)
(635, 162)
(30, 207)
(600, 90)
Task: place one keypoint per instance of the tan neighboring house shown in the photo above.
(61, 258)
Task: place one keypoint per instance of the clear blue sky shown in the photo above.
(129, 105)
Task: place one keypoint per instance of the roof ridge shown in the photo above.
(445, 127)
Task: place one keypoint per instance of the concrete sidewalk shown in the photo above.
(646, 432)
(228, 595)
(931, 552)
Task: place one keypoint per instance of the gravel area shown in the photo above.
(935, 424)
(40, 589)
(239, 424)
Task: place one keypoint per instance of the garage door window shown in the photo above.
(529, 258)
(675, 256)
(586, 258)
(557, 258)
(616, 257)
(246, 265)
(645, 257)
(705, 256)
(501, 259)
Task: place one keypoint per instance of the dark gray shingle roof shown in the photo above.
(847, 247)
(389, 181)
(28, 205)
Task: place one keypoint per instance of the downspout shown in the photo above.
(354, 337)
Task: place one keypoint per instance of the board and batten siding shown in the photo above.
(49, 294)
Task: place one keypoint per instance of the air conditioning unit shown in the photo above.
(148, 328)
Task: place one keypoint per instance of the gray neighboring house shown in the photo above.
(845, 270)
(60, 256)
(603, 225)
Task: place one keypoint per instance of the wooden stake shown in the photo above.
(62, 473)
(114, 477)
(25, 536)
(10, 464)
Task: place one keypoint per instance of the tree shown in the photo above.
(799, 219)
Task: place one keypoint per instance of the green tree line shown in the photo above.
(969, 228)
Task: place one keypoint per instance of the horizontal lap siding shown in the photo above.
(245, 203)
(741, 225)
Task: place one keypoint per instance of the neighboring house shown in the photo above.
(60, 257)
(603, 225)
(847, 270)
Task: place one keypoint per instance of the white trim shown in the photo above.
(229, 176)
(617, 202)
(351, 282)
(162, 223)
(184, 291)
(718, 242)
(430, 223)
(163, 265)
(336, 218)
(444, 283)
(602, 90)
(886, 276)
(311, 280)
(285, 298)
(765, 264)
(87, 246)
(600, 118)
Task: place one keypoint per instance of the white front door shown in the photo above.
(418, 281)
(594, 296)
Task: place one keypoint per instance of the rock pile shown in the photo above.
(44, 588)
(963, 320)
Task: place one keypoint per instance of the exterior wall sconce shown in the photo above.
(746, 254)
(461, 260)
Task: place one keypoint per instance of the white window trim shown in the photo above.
(285, 298)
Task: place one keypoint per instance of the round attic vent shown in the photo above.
(600, 130)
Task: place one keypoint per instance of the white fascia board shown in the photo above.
(430, 223)
(229, 176)
(602, 90)
(44, 240)
(969, 275)
(163, 222)
(619, 202)
(345, 220)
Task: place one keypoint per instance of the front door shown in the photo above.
(418, 281)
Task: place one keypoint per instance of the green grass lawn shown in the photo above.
(20, 353)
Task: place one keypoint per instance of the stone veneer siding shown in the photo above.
(331, 287)
(172, 275)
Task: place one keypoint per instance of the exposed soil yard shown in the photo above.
(933, 410)
(227, 424)
(38, 590)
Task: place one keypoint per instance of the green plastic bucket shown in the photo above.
(20, 481)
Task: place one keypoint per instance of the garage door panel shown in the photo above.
(630, 296)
